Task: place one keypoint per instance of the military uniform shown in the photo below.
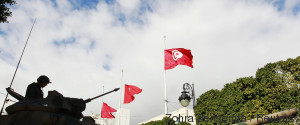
(34, 91)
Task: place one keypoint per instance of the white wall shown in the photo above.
(124, 118)
(182, 115)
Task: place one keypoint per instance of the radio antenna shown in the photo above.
(6, 98)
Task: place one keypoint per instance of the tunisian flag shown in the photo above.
(130, 91)
(106, 111)
(178, 56)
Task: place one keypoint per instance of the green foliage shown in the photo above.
(183, 123)
(274, 88)
(4, 10)
(165, 121)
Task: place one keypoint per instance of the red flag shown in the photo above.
(178, 56)
(130, 91)
(106, 111)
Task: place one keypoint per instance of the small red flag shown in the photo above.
(178, 56)
(130, 91)
(106, 111)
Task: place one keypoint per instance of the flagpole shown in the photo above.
(102, 93)
(102, 97)
(102, 106)
(166, 101)
(120, 97)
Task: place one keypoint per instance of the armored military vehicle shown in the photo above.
(55, 109)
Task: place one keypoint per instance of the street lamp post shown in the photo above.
(186, 95)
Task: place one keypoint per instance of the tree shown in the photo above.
(275, 87)
(4, 10)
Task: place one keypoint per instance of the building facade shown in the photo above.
(122, 117)
(180, 115)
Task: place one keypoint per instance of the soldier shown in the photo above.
(34, 90)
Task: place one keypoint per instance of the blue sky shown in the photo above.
(281, 5)
(83, 46)
(2, 33)
(142, 8)
(81, 4)
(145, 6)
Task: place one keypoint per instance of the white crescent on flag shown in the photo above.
(176, 54)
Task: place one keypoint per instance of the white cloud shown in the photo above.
(129, 5)
(229, 39)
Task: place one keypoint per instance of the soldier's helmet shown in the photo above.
(43, 79)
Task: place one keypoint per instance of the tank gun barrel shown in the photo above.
(90, 99)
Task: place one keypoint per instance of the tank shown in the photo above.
(55, 109)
